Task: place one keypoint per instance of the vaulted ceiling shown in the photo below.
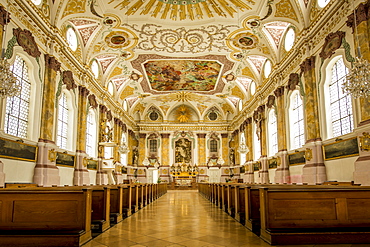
(168, 55)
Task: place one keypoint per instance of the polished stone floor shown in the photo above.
(182, 218)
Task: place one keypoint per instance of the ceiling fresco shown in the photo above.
(171, 53)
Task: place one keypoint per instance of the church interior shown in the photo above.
(184, 95)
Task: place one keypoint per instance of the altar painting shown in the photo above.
(183, 151)
(174, 75)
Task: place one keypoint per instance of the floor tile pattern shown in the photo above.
(182, 218)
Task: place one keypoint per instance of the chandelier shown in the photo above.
(8, 82)
(358, 79)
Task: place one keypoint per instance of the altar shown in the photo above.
(184, 176)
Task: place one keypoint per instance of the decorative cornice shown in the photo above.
(52, 63)
(308, 64)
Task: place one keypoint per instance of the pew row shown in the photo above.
(45, 217)
(65, 216)
(313, 216)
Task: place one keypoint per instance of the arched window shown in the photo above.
(63, 115)
(213, 146)
(272, 133)
(72, 39)
(289, 39)
(339, 115)
(111, 88)
(153, 146)
(256, 144)
(322, 3)
(17, 107)
(296, 121)
(267, 68)
(37, 2)
(95, 69)
(253, 88)
(91, 134)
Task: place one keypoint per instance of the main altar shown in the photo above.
(184, 176)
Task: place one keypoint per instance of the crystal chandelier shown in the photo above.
(358, 79)
(8, 82)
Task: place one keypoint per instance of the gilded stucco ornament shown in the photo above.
(365, 141)
(308, 154)
(52, 155)
(26, 40)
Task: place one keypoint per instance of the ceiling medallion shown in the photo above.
(245, 41)
(117, 39)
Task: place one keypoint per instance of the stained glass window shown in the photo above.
(90, 134)
(297, 122)
(340, 103)
(272, 130)
(17, 107)
(62, 122)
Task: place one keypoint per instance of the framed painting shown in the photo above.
(272, 163)
(92, 164)
(17, 150)
(297, 158)
(341, 149)
(66, 160)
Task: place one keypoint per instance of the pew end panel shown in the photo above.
(315, 216)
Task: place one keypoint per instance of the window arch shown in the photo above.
(339, 115)
(296, 121)
(267, 68)
(111, 88)
(272, 133)
(17, 107)
(95, 69)
(91, 134)
(289, 39)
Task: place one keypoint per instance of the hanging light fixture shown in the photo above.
(8, 82)
(357, 82)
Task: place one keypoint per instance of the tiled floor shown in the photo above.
(182, 218)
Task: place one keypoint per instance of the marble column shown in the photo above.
(361, 36)
(165, 157)
(249, 172)
(282, 174)
(225, 147)
(260, 119)
(46, 172)
(314, 171)
(142, 148)
(101, 175)
(202, 157)
(81, 174)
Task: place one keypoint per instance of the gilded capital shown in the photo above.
(4, 16)
(308, 64)
(292, 82)
(279, 91)
(84, 92)
(52, 63)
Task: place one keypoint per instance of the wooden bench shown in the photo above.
(315, 216)
(45, 217)
(126, 200)
(116, 204)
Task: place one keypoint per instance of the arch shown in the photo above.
(192, 115)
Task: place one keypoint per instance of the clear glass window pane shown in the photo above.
(71, 39)
(63, 111)
(17, 107)
(297, 122)
(272, 130)
(213, 146)
(91, 135)
(340, 104)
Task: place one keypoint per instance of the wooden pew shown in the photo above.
(134, 198)
(100, 217)
(315, 216)
(45, 217)
(116, 204)
(126, 200)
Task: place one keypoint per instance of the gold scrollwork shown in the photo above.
(52, 155)
(308, 154)
(365, 141)
(85, 162)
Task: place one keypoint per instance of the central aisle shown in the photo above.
(179, 218)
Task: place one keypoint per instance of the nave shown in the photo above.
(183, 218)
